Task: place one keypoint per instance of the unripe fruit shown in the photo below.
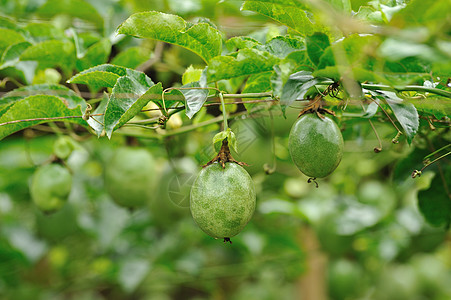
(222, 200)
(50, 187)
(130, 177)
(316, 145)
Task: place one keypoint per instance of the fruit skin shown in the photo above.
(316, 145)
(130, 177)
(222, 201)
(50, 187)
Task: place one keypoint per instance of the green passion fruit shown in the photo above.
(222, 200)
(130, 177)
(50, 187)
(316, 145)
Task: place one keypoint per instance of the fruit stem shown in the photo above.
(224, 112)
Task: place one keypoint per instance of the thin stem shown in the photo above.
(44, 119)
(418, 173)
(224, 112)
(415, 88)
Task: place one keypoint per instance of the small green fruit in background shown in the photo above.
(64, 146)
(130, 177)
(50, 187)
(316, 145)
(222, 200)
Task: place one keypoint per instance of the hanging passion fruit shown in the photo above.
(50, 187)
(130, 177)
(222, 199)
(316, 145)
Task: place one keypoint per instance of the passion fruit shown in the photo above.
(222, 200)
(50, 187)
(316, 145)
(130, 177)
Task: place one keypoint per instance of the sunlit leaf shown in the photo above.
(38, 106)
(247, 62)
(200, 38)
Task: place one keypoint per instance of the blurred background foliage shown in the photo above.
(358, 236)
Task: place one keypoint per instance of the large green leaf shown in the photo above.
(247, 62)
(434, 203)
(104, 75)
(52, 53)
(39, 32)
(37, 106)
(288, 12)
(200, 38)
(73, 8)
(95, 55)
(131, 57)
(316, 44)
(70, 98)
(125, 101)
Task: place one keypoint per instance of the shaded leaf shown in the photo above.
(74, 8)
(95, 55)
(52, 53)
(288, 12)
(125, 101)
(195, 98)
(406, 113)
(258, 83)
(434, 203)
(9, 37)
(39, 32)
(38, 106)
(201, 38)
(247, 62)
(131, 57)
(281, 46)
(316, 44)
(97, 122)
(297, 86)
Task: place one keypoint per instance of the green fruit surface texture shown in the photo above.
(130, 177)
(316, 145)
(50, 187)
(222, 200)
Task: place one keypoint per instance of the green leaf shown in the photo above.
(231, 138)
(97, 122)
(316, 44)
(38, 106)
(70, 98)
(39, 32)
(125, 101)
(437, 106)
(11, 54)
(195, 98)
(342, 5)
(371, 109)
(202, 39)
(288, 12)
(434, 203)
(406, 113)
(104, 75)
(297, 86)
(74, 8)
(247, 62)
(241, 42)
(258, 83)
(191, 75)
(131, 57)
(95, 55)
(52, 53)
(219, 137)
(9, 37)
(281, 46)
